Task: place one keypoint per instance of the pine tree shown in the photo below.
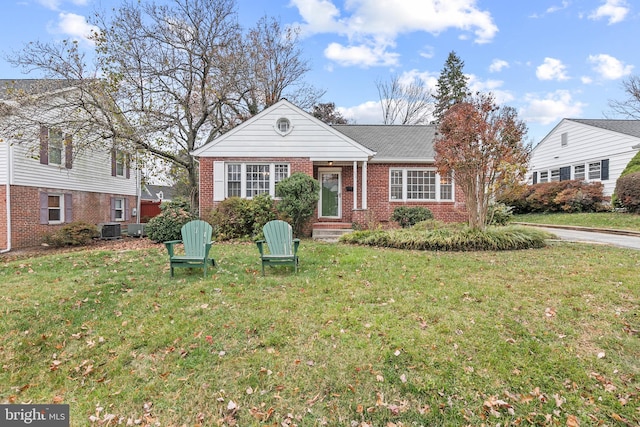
(451, 87)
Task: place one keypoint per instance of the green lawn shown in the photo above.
(616, 220)
(360, 336)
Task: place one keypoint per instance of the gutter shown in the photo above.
(8, 196)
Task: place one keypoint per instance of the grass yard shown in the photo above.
(360, 337)
(615, 220)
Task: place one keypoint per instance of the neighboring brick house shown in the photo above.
(365, 171)
(44, 186)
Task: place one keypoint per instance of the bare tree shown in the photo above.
(405, 103)
(168, 77)
(275, 67)
(629, 107)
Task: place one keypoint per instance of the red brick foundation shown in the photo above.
(26, 230)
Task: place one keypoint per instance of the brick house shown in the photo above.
(365, 171)
(44, 185)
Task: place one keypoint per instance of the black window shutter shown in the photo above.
(604, 170)
(565, 173)
(44, 145)
(113, 162)
(535, 177)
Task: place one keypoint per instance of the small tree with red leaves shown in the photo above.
(481, 143)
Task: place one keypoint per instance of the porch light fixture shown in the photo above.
(330, 163)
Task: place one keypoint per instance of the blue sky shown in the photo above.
(549, 59)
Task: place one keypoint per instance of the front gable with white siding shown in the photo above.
(592, 150)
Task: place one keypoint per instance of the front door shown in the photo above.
(330, 195)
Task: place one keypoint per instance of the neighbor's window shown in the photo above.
(564, 139)
(544, 176)
(56, 208)
(118, 209)
(578, 172)
(55, 146)
(555, 175)
(120, 162)
(419, 184)
(252, 179)
(594, 170)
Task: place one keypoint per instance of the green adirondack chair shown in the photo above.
(282, 247)
(196, 238)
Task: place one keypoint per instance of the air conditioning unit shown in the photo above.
(110, 230)
(136, 230)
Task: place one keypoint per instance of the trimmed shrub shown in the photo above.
(559, 196)
(452, 239)
(628, 192)
(236, 218)
(499, 214)
(167, 225)
(408, 216)
(72, 234)
(299, 196)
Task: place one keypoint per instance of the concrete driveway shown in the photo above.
(618, 238)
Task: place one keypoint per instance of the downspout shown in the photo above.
(138, 187)
(8, 196)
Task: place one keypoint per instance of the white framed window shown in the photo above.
(55, 206)
(564, 139)
(248, 180)
(55, 146)
(120, 162)
(118, 209)
(579, 172)
(283, 126)
(544, 176)
(555, 174)
(594, 170)
(419, 184)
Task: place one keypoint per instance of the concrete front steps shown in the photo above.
(330, 231)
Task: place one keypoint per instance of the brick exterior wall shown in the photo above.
(379, 206)
(3, 217)
(26, 230)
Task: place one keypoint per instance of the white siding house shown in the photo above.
(45, 184)
(585, 149)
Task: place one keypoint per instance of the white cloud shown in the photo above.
(615, 10)
(551, 108)
(369, 112)
(498, 65)
(55, 4)
(609, 67)
(494, 86)
(362, 55)
(556, 8)
(377, 23)
(73, 25)
(586, 80)
(552, 69)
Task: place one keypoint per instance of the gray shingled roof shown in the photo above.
(394, 142)
(627, 127)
